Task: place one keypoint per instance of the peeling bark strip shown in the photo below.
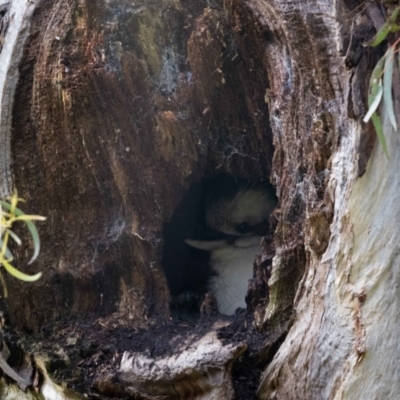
(15, 19)
(116, 109)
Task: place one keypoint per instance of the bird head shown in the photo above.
(238, 217)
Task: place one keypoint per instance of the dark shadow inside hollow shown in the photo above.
(187, 268)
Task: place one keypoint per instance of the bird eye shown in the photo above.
(243, 228)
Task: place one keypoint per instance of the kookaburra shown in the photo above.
(238, 220)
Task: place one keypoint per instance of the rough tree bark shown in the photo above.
(111, 111)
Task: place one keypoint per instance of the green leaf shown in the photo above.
(394, 28)
(15, 237)
(8, 253)
(394, 16)
(376, 77)
(5, 205)
(379, 131)
(380, 35)
(387, 86)
(31, 227)
(30, 218)
(20, 275)
(375, 100)
(375, 89)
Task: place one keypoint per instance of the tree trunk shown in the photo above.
(114, 114)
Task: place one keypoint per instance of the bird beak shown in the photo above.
(244, 241)
(208, 245)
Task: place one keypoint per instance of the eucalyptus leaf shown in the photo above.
(31, 227)
(387, 86)
(15, 237)
(20, 275)
(375, 89)
(394, 16)
(375, 78)
(376, 120)
(30, 218)
(380, 35)
(375, 100)
(394, 28)
(7, 253)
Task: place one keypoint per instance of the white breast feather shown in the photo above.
(234, 268)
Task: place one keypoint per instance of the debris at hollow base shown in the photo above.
(202, 370)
